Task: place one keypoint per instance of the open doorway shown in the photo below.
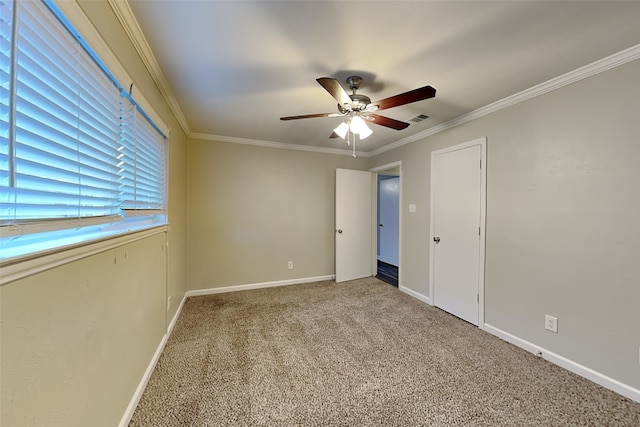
(388, 224)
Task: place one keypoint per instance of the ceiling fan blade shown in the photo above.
(311, 116)
(387, 121)
(419, 94)
(335, 89)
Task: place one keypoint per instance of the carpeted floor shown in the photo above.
(359, 353)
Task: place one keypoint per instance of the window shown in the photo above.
(79, 158)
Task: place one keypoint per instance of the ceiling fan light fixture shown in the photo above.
(356, 124)
(365, 131)
(342, 130)
(359, 127)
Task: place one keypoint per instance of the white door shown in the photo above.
(388, 219)
(457, 217)
(353, 224)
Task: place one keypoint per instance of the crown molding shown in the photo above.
(597, 67)
(272, 144)
(128, 21)
(130, 24)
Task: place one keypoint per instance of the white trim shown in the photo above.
(142, 385)
(482, 142)
(570, 365)
(388, 166)
(42, 262)
(133, 403)
(173, 322)
(375, 170)
(415, 294)
(272, 144)
(236, 288)
(602, 65)
(483, 230)
(44, 225)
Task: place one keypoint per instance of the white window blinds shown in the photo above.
(6, 28)
(66, 125)
(143, 168)
(73, 143)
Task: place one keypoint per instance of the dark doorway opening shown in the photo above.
(387, 273)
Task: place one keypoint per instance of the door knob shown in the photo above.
(339, 230)
(436, 239)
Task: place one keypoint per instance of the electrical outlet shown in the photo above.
(290, 265)
(551, 323)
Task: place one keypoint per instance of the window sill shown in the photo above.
(16, 269)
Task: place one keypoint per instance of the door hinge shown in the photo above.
(480, 163)
(478, 298)
(479, 232)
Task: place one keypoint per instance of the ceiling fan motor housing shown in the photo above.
(358, 103)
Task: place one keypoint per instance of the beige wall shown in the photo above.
(253, 209)
(563, 219)
(76, 339)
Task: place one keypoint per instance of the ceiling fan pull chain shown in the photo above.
(354, 145)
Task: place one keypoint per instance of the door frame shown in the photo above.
(482, 142)
(374, 210)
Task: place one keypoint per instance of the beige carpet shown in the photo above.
(359, 353)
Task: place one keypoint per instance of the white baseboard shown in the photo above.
(126, 418)
(133, 404)
(415, 294)
(570, 365)
(172, 324)
(247, 287)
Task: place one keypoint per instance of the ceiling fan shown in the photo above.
(358, 109)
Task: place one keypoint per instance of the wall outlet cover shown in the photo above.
(551, 323)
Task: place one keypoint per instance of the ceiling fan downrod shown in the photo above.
(354, 83)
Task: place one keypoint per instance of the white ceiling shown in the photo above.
(236, 67)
